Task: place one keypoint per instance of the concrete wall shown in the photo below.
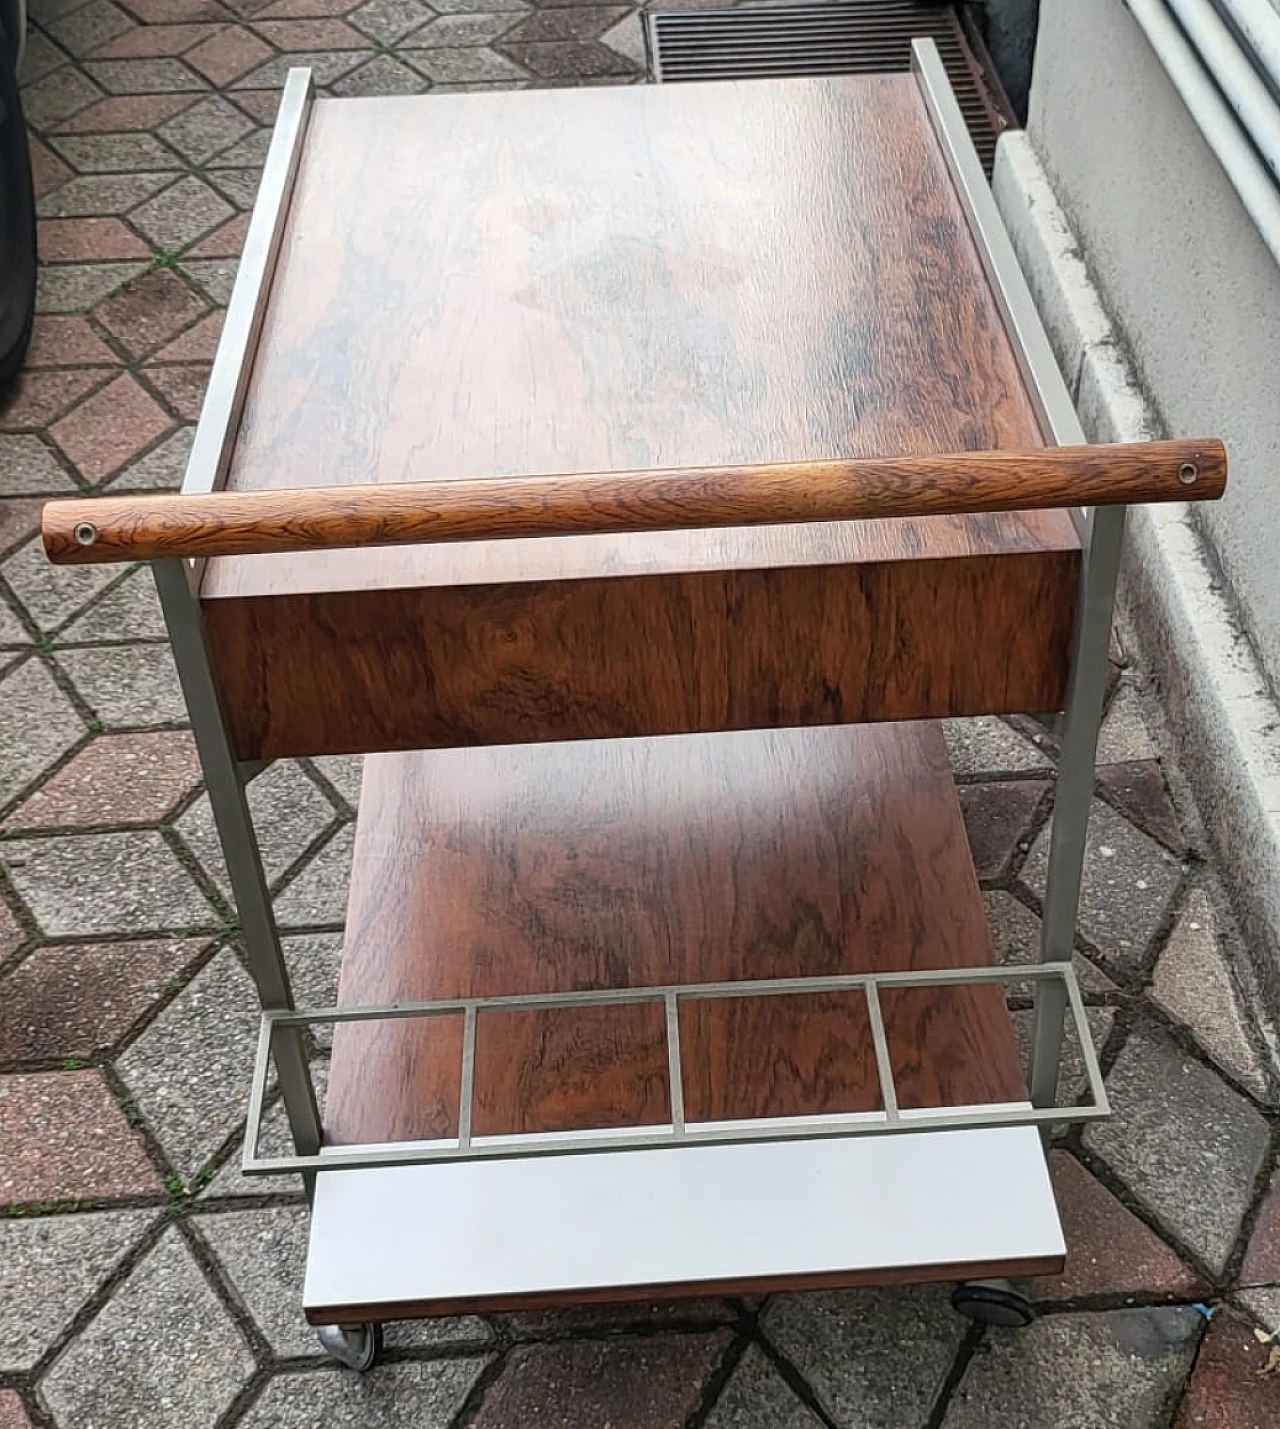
(1180, 268)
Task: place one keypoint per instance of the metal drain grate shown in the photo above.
(839, 37)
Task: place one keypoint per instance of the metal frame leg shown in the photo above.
(225, 778)
(1086, 693)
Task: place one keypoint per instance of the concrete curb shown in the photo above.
(1221, 713)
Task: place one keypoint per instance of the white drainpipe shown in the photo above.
(1221, 123)
(1258, 24)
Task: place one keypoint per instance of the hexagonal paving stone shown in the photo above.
(264, 1254)
(76, 286)
(115, 154)
(119, 779)
(390, 20)
(161, 469)
(228, 54)
(391, 1396)
(66, 341)
(147, 76)
(1015, 938)
(757, 1397)
(110, 884)
(317, 896)
(110, 428)
(289, 813)
(162, 1354)
(206, 128)
(873, 1357)
(1128, 883)
(189, 1072)
(128, 612)
(989, 746)
(51, 595)
(314, 960)
(151, 312)
(381, 76)
(49, 1267)
(75, 1001)
(468, 64)
(275, 1140)
(1187, 1146)
(88, 27)
(63, 1138)
(92, 195)
(181, 214)
(38, 725)
(127, 686)
(623, 1381)
(1116, 1369)
(31, 469)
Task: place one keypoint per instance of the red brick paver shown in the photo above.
(120, 780)
(1228, 1390)
(76, 1001)
(654, 1383)
(1109, 1250)
(66, 342)
(113, 426)
(150, 312)
(62, 1137)
(1262, 1260)
(228, 55)
(13, 1414)
(88, 240)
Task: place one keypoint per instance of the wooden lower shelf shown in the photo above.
(697, 858)
(548, 868)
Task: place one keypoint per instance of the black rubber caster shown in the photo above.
(358, 1347)
(993, 1302)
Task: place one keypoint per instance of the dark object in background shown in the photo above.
(17, 205)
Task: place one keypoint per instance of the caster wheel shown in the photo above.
(356, 1346)
(993, 1302)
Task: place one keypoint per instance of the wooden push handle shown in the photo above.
(143, 528)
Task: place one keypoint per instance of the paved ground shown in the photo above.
(142, 1282)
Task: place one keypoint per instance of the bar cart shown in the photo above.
(637, 476)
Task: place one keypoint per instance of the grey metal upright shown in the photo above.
(226, 779)
(1101, 537)
(177, 581)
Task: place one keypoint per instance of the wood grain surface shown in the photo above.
(645, 278)
(123, 528)
(700, 1289)
(634, 863)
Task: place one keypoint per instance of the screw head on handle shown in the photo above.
(1188, 472)
(86, 533)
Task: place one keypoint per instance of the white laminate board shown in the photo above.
(623, 1219)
